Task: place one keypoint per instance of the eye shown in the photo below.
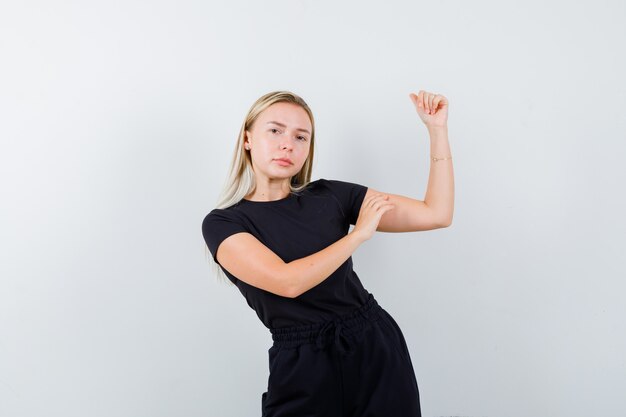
(302, 138)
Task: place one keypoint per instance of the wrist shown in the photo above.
(357, 236)
(437, 129)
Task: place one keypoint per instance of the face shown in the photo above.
(283, 130)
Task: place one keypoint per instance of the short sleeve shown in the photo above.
(217, 226)
(350, 196)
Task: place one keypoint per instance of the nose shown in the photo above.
(286, 143)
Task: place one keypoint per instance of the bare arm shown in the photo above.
(305, 273)
(440, 191)
(436, 211)
(262, 268)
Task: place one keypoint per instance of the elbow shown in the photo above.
(445, 223)
(448, 219)
(290, 292)
(287, 283)
(286, 290)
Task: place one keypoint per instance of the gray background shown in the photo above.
(118, 121)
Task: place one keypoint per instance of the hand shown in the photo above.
(372, 209)
(432, 108)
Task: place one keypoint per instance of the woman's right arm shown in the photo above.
(262, 268)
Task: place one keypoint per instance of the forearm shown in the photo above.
(305, 273)
(440, 190)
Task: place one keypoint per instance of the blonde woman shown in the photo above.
(284, 241)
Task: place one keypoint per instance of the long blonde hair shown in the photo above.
(241, 181)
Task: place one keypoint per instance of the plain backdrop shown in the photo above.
(118, 121)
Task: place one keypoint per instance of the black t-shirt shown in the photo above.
(295, 227)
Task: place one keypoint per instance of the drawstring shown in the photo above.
(353, 323)
(337, 325)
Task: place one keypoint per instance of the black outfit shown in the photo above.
(366, 369)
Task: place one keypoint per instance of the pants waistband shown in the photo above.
(332, 330)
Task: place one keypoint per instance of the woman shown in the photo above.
(283, 240)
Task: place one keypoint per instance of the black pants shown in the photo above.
(356, 365)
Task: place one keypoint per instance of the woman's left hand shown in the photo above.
(432, 108)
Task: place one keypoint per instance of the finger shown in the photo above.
(375, 198)
(420, 99)
(385, 208)
(431, 109)
(378, 199)
(425, 101)
(436, 101)
(381, 203)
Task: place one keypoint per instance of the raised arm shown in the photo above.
(437, 208)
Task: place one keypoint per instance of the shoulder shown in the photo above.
(340, 187)
(329, 184)
(221, 217)
(349, 196)
(217, 213)
(218, 225)
(316, 185)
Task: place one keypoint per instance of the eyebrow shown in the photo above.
(282, 125)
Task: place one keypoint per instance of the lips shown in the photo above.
(284, 160)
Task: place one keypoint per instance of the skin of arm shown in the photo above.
(436, 210)
(305, 273)
(262, 268)
(440, 190)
